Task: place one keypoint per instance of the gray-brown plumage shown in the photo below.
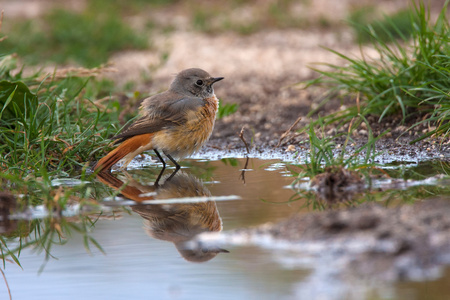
(178, 223)
(177, 122)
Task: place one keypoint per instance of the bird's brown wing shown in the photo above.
(161, 111)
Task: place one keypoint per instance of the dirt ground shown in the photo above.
(262, 70)
(262, 74)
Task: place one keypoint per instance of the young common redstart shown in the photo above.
(176, 122)
(179, 223)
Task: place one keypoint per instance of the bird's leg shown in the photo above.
(177, 166)
(162, 170)
(160, 158)
(159, 177)
(174, 161)
(171, 175)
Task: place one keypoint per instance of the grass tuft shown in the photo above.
(410, 78)
(324, 154)
(55, 123)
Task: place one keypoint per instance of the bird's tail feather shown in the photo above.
(128, 190)
(126, 147)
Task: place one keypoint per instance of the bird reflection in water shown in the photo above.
(178, 223)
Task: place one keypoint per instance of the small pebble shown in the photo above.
(290, 148)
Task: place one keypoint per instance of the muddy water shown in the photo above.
(142, 262)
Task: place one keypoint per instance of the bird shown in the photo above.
(177, 222)
(177, 122)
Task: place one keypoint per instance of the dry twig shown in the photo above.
(243, 170)
(287, 131)
(241, 136)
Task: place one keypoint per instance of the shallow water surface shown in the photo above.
(148, 257)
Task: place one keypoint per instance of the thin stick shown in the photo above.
(4, 277)
(287, 131)
(241, 135)
(243, 170)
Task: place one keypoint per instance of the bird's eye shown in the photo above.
(199, 82)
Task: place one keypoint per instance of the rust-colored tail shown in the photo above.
(129, 146)
(129, 191)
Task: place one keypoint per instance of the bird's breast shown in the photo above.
(184, 139)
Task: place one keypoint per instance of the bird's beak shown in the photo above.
(215, 79)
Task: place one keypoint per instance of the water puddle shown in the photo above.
(139, 241)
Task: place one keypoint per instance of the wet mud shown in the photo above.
(408, 242)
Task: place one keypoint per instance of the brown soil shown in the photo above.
(392, 243)
(261, 70)
(262, 73)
